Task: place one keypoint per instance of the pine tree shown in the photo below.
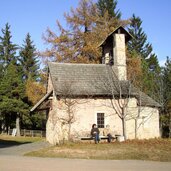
(153, 63)
(12, 95)
(34, 89)
(1, 71)
(110, 7)
(165, 116)
(154, 72)
(139, 44)
(7, 48)
(167, 81)
(7, 56)
(28, 59)
(149, 62)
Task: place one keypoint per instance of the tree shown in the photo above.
(154, 72)
(68, 105)
(34, 91)
(12, 93)
(138, 47)
(139, 44)
(28, 59)
(167, 80)
(7, 48)
(80, 42)
(74, 44)
(167, 94)
(122, 94)
(7, 57)
(134, 69)
(119, 92)
(1, 71)
(110, 6)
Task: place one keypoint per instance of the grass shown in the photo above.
(153, 150)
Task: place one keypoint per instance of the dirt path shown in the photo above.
(19, 163)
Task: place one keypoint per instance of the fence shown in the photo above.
(30, 133)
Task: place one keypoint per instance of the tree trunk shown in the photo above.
(18, 125)
(170, 125)
(136, 127)
(124, 128)
(69, 132)
(124, 123)
(2, 127)
(6, 128)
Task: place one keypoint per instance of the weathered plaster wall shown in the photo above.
(53, 125)
(85, 114)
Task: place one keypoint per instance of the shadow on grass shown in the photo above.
(10, 143)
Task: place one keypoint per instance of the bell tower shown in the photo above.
(114, 51)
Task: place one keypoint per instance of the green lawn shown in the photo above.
(153, 149)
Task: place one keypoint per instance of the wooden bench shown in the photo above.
(101, 138)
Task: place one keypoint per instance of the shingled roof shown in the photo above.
(121, 30)
(92, 80)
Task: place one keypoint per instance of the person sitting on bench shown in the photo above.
(95, 133)
(107, 132)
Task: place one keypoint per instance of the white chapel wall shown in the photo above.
(86, 113)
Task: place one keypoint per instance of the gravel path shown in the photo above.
(20, 163)
(24, 148)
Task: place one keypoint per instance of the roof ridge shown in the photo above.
(57, 63)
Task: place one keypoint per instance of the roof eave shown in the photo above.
(41, 101)
(129, 35)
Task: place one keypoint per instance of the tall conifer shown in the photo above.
(12, 93)
(28, 59)
(166, 106)
(149, 63)
(139, 44)
(110, 7)
(7, 48)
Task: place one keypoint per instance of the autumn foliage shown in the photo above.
(134, 70)
(34, 91)
(79, 43)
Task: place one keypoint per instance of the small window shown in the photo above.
(100, 120)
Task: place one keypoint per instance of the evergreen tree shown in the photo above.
(7, 56)
(12, 95)
(167, 81)
(149, 62)
(165, 98)
(34, 90)
(28, 59)
(1, 71)
(153, 63)
(7, 48)
(110, 7)
(139, 44)
(153, 76)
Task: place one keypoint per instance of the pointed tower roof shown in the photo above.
(119, 30)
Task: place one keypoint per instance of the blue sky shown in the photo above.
(34, 16)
